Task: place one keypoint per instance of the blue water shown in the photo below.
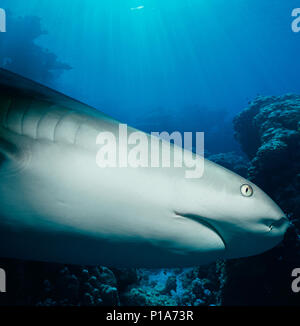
(164, 64)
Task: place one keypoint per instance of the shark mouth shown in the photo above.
(203, 221)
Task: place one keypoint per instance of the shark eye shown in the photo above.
(246, 190)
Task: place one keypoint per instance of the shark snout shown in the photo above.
(279, 227)
(251, 238)
(277, 222)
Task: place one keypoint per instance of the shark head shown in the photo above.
(244, 218)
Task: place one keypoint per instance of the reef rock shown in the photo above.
(269, 134)
(231, 161)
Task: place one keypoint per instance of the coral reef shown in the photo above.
(169, 287)
(24, 56)
(269, 133)
(231, 161)
(48, 284)
(45, 284)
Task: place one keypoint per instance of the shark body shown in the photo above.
(57, 205)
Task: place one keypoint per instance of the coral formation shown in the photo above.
(67, 285)
(168, 287)
(268, 131)
(231, 161)
(24, 56)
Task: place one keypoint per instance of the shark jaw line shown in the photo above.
(203, 221)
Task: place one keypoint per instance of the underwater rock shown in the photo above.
(269, 133)
(150, 297)
(175, 287)
(231, 161)
(125, 277)
(135, 297)
(105, 275)
(149, 288)
(24, 56)
(197, 287)
(109, 295)
(273, 146)
(47, 284)
(171, 285)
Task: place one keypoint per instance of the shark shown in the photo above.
(57, 205)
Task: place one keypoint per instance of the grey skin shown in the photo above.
(57, 205)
